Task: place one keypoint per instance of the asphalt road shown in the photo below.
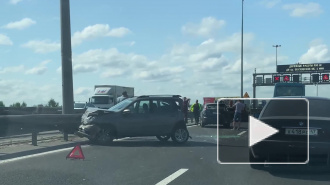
(148, 161)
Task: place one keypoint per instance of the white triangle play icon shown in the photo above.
(259, 131)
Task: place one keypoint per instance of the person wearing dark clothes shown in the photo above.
(196, 108)
(239, 107)
(185, 108)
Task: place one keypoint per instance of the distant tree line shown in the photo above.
(51, 103)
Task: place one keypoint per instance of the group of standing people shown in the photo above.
(196, 109)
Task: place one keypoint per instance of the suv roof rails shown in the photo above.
(146, 96)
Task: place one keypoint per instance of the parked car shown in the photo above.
(159, 116)
(209, 115)
(290, 144)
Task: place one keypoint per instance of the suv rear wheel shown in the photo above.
(180, 135)
(163, 138)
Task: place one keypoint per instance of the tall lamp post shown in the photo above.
(67, 79)
(242, 54)
(276, 46)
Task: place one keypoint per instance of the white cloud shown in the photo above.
(206, 28)
(132, 43)
(118, 32)
(97, 59)
(59, 69)
(81, 68)
(83, 91)
(14, 1)
(40, 69)
(30, 92)
(270, 3)
(209, 41)
(12, 69)
(161, 74)
(111, 63)
(196, 55)
(186, 68)
(97, 31)
(317, 53)
(301, 10)
(22, 24)
(213, 64)
(5, 40)
(42, 46)
(113, 73)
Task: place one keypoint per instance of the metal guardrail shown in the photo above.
(35, 123)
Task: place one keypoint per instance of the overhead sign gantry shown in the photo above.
(308, 74)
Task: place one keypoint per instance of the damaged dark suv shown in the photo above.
(159, 116)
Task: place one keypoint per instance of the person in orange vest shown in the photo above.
(196, 108)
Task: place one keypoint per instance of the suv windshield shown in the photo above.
(120, 106)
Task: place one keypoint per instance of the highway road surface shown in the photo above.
(147, 161)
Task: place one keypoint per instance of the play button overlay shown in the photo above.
(259, 131)
(264, 131)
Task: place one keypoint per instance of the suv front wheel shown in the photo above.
(180, 135)
(104, 137)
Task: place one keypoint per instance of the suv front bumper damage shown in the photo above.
(89, 131)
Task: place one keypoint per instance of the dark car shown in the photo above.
(159, 116)
(209, 115)
(290, 144)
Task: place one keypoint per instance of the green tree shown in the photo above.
(23, 104)
(17, 105)
(2, 104)
(52, 103)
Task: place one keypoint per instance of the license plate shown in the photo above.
(294, 131)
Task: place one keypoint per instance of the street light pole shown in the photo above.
(242, 54)
(276, 46)
(66, 52)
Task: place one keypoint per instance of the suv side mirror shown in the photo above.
(126, 111)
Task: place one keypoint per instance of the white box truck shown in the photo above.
(105, 96)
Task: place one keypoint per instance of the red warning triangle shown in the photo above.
(76, 153)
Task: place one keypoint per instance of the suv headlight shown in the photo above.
(88, 120)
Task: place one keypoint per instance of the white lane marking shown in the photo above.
(34, 155)
(172, 177)
(192, 125)
(46, 153)
(241, 133)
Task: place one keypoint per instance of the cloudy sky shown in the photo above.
(186, 47)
